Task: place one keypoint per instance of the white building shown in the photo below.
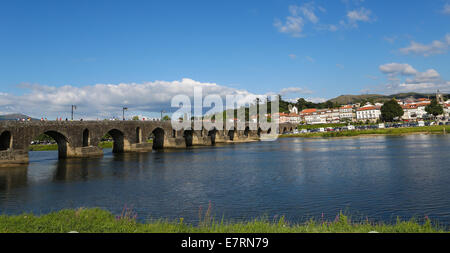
(346, 113)
(371, 113)
(313, 116)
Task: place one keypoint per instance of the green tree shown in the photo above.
(135, 117)
(329, 104)
(390, 110)
(434, 108)
(166, 118)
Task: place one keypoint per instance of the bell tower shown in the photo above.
(439, 97)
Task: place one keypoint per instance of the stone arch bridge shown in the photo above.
(82, 138)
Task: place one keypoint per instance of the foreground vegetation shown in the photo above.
(383, 131)
(101, 221)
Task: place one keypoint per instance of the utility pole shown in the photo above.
(257, 111)
(74, 107)
(123, 112)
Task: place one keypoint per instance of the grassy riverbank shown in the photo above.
(385, 131)
(50, 147)
(101, 221)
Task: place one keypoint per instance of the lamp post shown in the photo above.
(123, 112)
(74, 107)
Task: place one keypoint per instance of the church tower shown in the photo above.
(439, 97)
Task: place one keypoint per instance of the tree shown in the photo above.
(329, 104)
(135, 117)
(391, 110)
(434, 108)
(166, 118)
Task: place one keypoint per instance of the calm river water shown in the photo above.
(377, 177)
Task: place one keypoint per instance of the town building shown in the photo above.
(313, 116)
(370, 113)
(346, 113)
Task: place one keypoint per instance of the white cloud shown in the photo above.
(313, 99)
(301, 15)
(446, 9)
(397, 68)
(294, 90)
(316, 99)
(107, 100)
(292, 56)
(436, 47)
(362, 14)
(293, 26)
(358, 15)
(294, 23)
(308, 12)
(405, 78)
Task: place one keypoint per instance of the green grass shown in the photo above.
(385, 131)
(101, 221)
(51, 147)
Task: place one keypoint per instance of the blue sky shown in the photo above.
(53, 53)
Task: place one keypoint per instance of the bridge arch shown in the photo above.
(157, 136)
(212, 133)
(138, 135)
(118, 140)
(61, 140)
(188, 136)
(246, 132)
(5, 140)
(86, 138)
(231, 134)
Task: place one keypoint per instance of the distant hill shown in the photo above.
(15, 116)
(352, 99)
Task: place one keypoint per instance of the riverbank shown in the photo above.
(376, 132)
(101, 221)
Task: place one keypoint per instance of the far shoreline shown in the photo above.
(435, 130)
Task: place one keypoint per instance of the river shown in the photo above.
(376, 177)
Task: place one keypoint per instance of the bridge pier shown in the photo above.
(202, 141)
(90, 151)
(13, 157)
(220, 137)
(140, 147)
(177, 142)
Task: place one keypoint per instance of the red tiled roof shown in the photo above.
(309, 110)
(369, 108)
(422, 104)
(411, 106)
